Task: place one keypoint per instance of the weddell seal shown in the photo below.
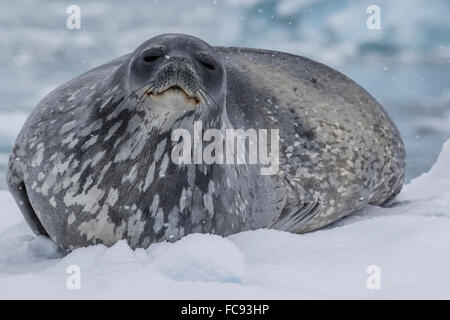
(102, 157)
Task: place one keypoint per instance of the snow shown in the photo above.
(409, 242)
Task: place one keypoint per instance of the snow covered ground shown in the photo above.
(410, 243)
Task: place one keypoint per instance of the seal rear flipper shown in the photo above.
(19, 192)
(295, 216)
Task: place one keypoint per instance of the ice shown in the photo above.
(200, 257)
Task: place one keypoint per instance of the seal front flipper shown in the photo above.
(19, 193)
(295, 216)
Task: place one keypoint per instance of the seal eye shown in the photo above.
(207, 62)
(153, 54)
(151, 57)
(208, 65)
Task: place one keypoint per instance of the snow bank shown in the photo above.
(410, 243)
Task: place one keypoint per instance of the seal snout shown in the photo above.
(178, 72)
(177, 76)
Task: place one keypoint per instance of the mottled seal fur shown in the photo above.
(92, 162)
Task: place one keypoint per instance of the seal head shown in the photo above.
(178, 75)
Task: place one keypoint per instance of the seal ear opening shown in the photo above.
(19, 193)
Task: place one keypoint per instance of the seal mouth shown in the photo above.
(177, 89)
